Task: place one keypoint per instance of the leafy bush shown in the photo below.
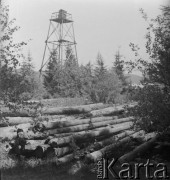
(152, 112)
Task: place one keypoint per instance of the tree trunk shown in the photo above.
(110, 111)
(73, 122)
(90, 135)
(64, 159)
(89, 126)
(56, 110)
(93, 157)
(139, 150)
(33, 144)
(107, 111)
(9, 133)
(59, 152)
(11, 121)
(73, 110)
(111, 140)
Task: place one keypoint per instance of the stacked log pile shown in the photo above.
(61, 132)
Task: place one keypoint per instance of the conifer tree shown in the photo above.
(52, 72)
(119, 67)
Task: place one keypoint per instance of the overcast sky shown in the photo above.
(100, 25)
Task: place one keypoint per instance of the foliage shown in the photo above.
(98, 84)
(119, 67)
(102, 85)
(153, 109)
(71, 75)
(52, 74)
(62, 80)
(10, 53)
(28, 84)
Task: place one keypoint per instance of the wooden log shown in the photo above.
(93, 157)
(56, 110)
(107, 111)
(73, 121)
(73, 110)
(112, 139)
(88, 126)
(9, 133)
(33, 144)
(64, 159)
(59, 152)
(139, 150)
(82, 136)
(110, 111)
(11, 121)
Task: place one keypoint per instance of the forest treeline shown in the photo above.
(94, 81)
(19, 81)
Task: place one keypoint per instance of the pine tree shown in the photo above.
(28, 84)
(71, 75)
(100, 69)
(52, 74)
(119, 67)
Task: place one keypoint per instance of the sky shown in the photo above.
(100, 26)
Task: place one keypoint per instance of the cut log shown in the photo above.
(33, 144)
(112, 139)
(107, 111)
(82, 136)
(9, 133)
(57, 110)
(73, 110)
(93, 157)
(11, 121)
(110, 111)
(139, 150)
(72, 122)
(58, 152)
(88, 126)
(64, 159)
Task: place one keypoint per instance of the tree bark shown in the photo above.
(89, 126)
(9, 133)
(73, 122)
(83, 136)
(56, 110)
(59, 152)
(11, 121)
(93, 157)
(73, 110)
(112, 139)
(110, 111)
(139, 150)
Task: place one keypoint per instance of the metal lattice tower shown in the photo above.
(60, 36)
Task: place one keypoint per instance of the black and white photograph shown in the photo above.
(84, 89)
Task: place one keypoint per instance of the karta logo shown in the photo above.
(130, 171)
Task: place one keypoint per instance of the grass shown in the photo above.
(47, 172)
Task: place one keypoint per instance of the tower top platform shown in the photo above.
(61, 17)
